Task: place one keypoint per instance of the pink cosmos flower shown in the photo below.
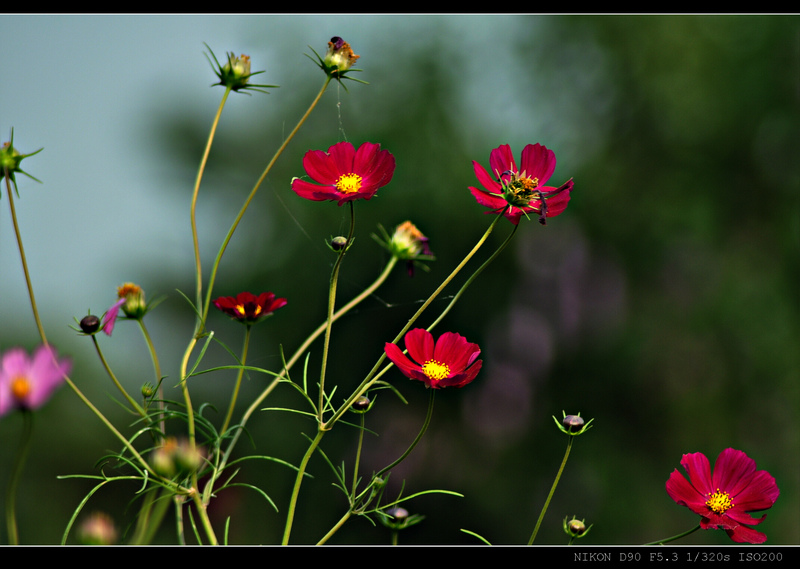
(724, 499)
(26, 383)
(249, 308)
(345, 174)
(449, 362)
(523, 191)
(110, 317)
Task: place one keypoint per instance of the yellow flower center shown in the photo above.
(720, 502)
(20, 387)
(128, 289)
(436, 370)
(520, 190)
(349, 183)
(240, 310)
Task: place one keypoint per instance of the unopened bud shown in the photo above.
(338, 243)
(573, 423)
(90, 324)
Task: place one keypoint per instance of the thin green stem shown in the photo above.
(238, 382)
(157, 368)
(369, 380)
(302, 349)
(552, 491)
(250, 197)
(674, 537)
(336, 527)
(298, 481)
(16, 475)
(357, 461)
(22, 257)
(138, 408)
(419, 436)
(329, 319)
(195, 192)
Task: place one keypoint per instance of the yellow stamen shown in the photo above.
(720, 502)
(239, 308)
(20, 387)
(436, 370)
(349, 183)
(128, 289)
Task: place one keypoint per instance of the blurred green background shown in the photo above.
(663, 303)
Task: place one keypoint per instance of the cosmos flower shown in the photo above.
(110, 317)
(345, 174)
(449, 362)
(522, 191)
(27, 383)
(248, 308)
(724, 499)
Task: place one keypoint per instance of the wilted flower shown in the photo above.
(346, 174)
(248, 308)
(27, 383)
(235, 73)
(448, 362)
(110, 317)
(724, 499)
(338, 60)
(521, 191)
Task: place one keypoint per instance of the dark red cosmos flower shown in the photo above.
(523, 190)
(249, 308)
(345, 174)
(724, 499)
(449, 362)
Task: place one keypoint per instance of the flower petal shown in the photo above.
(398, 358)
(744, 534)
(699, 469)
(538, 162)
(420, 345)
(321, 167)
(501, 159)
(684, 494)
(486, 180)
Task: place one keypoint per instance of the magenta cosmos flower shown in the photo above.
(26, 383)
(449, 362)
(249, 308)
(724, 499)
(345, 174)
(522, 190)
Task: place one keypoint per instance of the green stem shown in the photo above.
(419, 436)
(200, 171)
(674, 537)
(113, 377)
(298, 480)
(552, 491)
(16, 474)
(22, 258)
(302, 349)
(227, 239)
(157, 368)
(329, 319)
(369, 380)
(358, 461)
(238, 382)
(336, 527)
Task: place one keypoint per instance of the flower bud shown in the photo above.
(361, 404)
(148, 390)
(90, 324)
(573, 423)
(97, 529)
(10, 160)
(135, 307)
(338, 243)
(235, 74)
(575, 528)
(398, 513)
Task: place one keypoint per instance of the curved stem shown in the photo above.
(238, 382)
(200, 171)
(329, 319)
(113, 377)
(22, 258)
(336, 527)
(370, 379)
(552, 491)
(227, 239)
(302, 349)
(674, 537)
(157, 368)
(16, 474)
(419, 436)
